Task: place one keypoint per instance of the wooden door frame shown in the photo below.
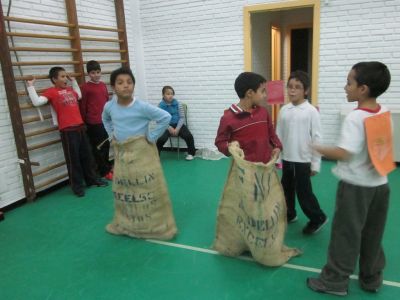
(288, 5)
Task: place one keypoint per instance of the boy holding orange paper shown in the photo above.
(365, 158)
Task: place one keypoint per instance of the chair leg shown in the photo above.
(178, 147)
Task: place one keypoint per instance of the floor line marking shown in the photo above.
(289, 266)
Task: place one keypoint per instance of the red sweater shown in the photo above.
(254, 132)
(65, 104)
(94, 97)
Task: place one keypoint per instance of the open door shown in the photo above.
(275, 63)
(299, 54)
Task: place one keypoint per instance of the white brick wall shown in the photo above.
(197, 47)
(11, 188)
(353, 31)
(100, 13)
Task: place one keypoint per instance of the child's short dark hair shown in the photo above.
(302, 77)
(168, 87)
(248, 81)
(92, 65)
(121, 71)
(53, 73)
(373, 74)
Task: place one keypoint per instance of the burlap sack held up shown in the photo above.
(142, 204)
(252, 212)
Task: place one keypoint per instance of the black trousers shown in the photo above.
(296, 180)
(79, 159)
(184, 133)
(98, 134)
(357, 232)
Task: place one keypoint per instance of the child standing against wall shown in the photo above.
(65, 111)
(177, 126)
(362, 198)
(94, 97)
(298, 127)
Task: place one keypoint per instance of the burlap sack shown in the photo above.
(252, 212)
(142, 205)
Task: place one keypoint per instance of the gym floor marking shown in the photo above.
(289, 266)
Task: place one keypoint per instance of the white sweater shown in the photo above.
(298, 128)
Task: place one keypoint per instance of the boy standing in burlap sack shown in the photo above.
(365, 157)
(252, 212)
(142, 205)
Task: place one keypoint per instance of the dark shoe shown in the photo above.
(292, 220)
(318, 286)
(312, 228)
(79, 193)
(98, 182)
(367, 288)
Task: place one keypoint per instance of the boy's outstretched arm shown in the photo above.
(35, 98)
(334, 153)
(351, 141)
(223, 137)
(161, 117)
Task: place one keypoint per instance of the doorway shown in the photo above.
(283, 37)
(300, 49)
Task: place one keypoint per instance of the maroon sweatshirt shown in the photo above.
(254, 132)
(94, 97)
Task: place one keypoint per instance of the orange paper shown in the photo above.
(380, 142)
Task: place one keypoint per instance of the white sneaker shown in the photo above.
(189, 157)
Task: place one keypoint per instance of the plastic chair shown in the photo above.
(184, 105)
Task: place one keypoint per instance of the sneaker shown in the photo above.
(370, 290)
(79, 193)
(318, 286)
(189, 157)
(98, 182)
(312, 228)
(367, 288)
(109, 176)
(292, 220)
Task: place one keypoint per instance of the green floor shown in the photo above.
(56, 248)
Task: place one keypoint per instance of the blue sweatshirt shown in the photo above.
(123, 122)
(175, 109)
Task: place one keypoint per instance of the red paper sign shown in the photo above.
(275, 92)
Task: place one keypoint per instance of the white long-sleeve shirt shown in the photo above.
(299, 127)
